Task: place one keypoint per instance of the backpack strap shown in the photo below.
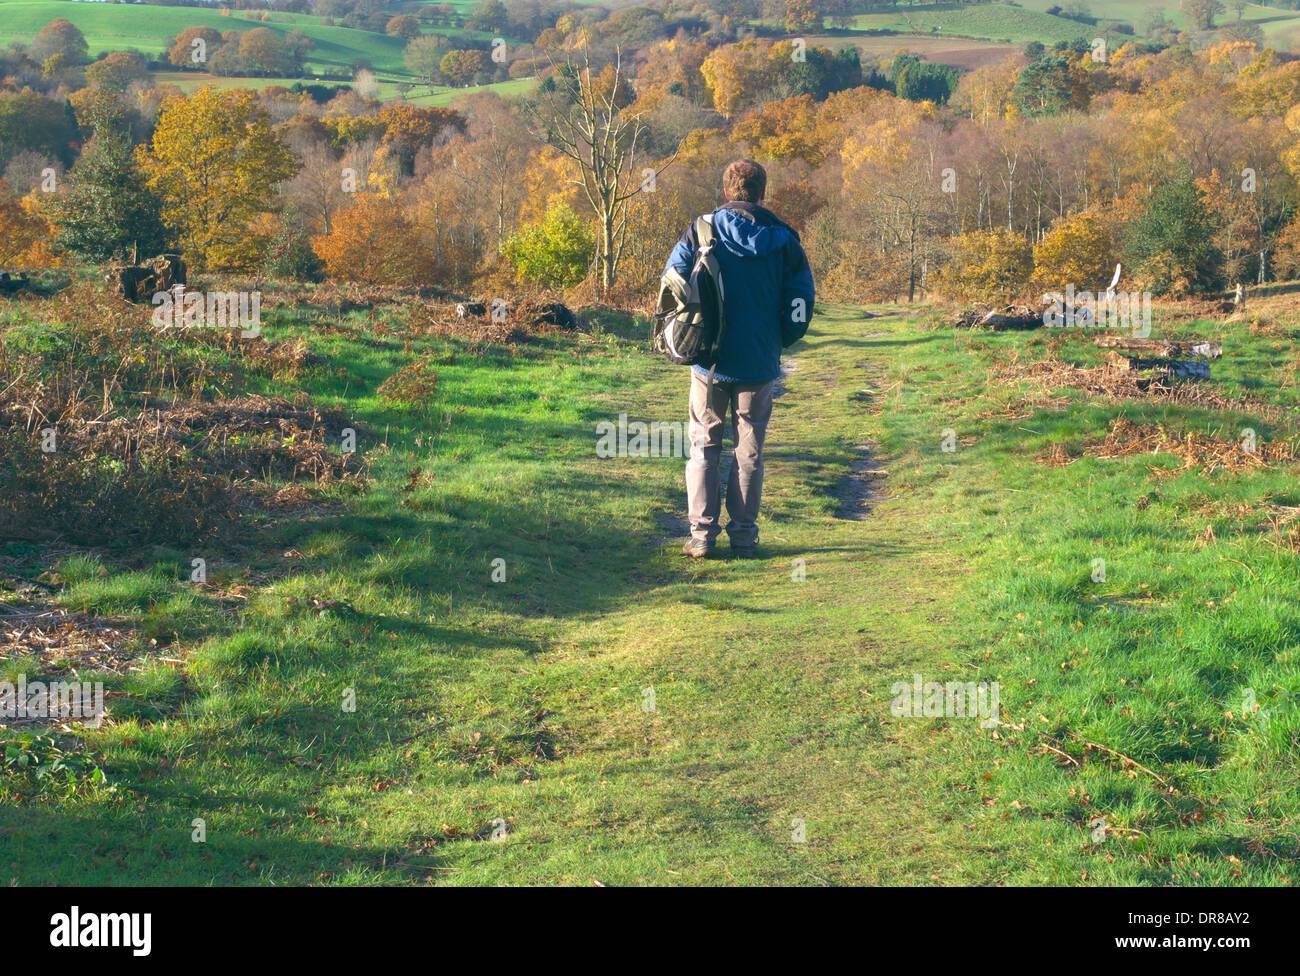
(704, 237)
(704, 230)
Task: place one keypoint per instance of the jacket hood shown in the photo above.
(748, 229)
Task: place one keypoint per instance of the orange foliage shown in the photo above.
(373, 242)
(24, 233)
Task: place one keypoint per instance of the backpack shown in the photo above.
(689, 321)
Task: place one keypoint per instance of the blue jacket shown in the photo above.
(768, 289)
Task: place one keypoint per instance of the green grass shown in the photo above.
(1281, 27)
(994, 21)
(521, 701)
(110, 27)
(1154, 661)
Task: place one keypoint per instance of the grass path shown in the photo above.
(521, 706)
(767, 689)
(518, 707)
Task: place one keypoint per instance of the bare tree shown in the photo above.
(593, 130)
(314, 192)
(497, 150)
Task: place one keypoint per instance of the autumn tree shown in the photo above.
(1286, 257)
(29, 170)
(740, 74)
(1078, 250)
(988, 265)
(423, 57)
(318, 190)
(407, 129)
(186, 53)
(263, 50)
(491, 16)
(216, 163)
(24, 233)
(802, 15)
(29, 121)
(490, 162)
(673, 67)
(60, 36)
(984, 94)
(783, 131)
(57, 67)
(460, 66)
(404, 26)
(116, 70)
(893, 186)
(1201, 13)
(373, 242)
(602, 139)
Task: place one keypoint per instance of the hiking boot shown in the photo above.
(745, 552)
(697, 549)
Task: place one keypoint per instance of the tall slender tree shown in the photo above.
(587, 121)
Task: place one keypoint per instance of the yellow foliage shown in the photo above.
(547, 178)
(987, 265)
(215, 162)
(384, 173)
(24, 232)
(738, 74)
(784, 130)
(1078, 250)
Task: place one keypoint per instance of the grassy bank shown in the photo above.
(602, 711)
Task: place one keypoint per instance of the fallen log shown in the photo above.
(553, 313)
(11, 283)
(1173, 369)
(1161, 348)
(1007, 317)
(139, 283)
(1014, 317)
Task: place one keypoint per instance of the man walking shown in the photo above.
(768, 299)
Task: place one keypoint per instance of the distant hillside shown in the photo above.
(993, 21)
(111, 27)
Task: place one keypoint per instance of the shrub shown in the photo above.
(290, 255)
(1079, 250)
(373, 242)
(556, 253)
(988, 265)
(1171, 246)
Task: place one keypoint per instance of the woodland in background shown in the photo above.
(906, 179)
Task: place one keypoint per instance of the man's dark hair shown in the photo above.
(744, 180)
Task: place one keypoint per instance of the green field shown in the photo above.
(994, 21)
(517, 707)
(1281, 27)
(1030, 22)
(110, 27)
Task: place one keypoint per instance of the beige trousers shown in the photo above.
(751, 407)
